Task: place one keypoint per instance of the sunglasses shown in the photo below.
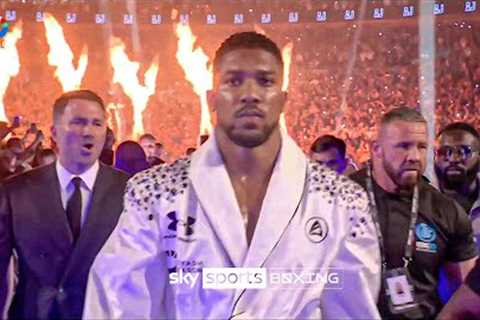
(463, 152)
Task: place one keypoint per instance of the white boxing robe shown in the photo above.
(185, 217)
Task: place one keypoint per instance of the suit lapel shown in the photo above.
(215, 192)
(281, 201)
(216, 195)
(96, 215)
(99, 218)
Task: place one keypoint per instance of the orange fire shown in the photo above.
(258, 29)
(115, 112)
(194, 63)
(60, 56)
(125, 73)
(287, 59)
(9, 63)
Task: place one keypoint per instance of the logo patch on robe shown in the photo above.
(316, 229)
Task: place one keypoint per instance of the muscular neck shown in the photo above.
(249, 162)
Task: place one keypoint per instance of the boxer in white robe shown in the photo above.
(183, 218)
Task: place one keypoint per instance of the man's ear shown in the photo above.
(376, 148)
(211, 94)
(53, 131)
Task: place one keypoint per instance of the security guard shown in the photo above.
(421, 230)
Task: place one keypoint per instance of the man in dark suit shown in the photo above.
(58, 216)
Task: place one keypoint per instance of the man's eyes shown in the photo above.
(234, 81)
(80, 121)
(263, 81)
(77, 121)
(266, 81)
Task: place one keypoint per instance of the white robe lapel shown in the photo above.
(284, 193)
(217, 197)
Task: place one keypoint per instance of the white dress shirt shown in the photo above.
(86, 187)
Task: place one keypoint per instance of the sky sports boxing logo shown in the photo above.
(258, 278)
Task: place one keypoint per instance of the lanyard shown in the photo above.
(407, 257)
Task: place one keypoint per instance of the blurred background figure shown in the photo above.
(130, 157)
(8, 163)
(457, 163)
(159, 154)
(330, 151)
(106, 156)
(44, 157)
(16, 146)
(16, 158)
(5, 129)
(148, 142)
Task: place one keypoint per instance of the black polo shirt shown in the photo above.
(443, 233)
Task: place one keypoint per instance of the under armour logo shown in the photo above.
(316, 229)
(187, 225)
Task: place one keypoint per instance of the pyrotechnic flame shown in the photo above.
(258, 29)
(60, 56)
(287, 59)
(194, 63)
(125, 73)
(115, 111)
(9, 63)
(174, 14)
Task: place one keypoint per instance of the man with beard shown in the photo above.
(149, 145)
(249, 202)
(457, 162)
(421, 230)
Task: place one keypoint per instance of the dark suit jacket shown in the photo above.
(53, 271)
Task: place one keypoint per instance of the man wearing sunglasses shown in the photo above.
(457, 163)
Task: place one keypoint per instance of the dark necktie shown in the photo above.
(74, 208)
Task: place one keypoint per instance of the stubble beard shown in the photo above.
(253, 139)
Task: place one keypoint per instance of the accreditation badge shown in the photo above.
(400, 291)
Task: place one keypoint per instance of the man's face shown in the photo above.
(456, 158)
(402, 151)
(148, 146)
(248, 96)
(331, 158)
(80, 134)
(109, 140)
(8, 160)
(158, 151)
(17, 148)
(45, 160)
